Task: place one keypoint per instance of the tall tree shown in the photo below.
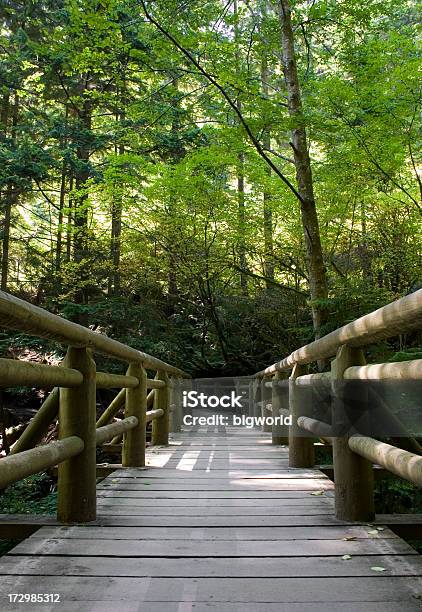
(304, 191)
(316, 267)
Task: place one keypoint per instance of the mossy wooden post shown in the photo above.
(160, 426)
(280, 433)
(265, 395)
(172, 406)
(76, 498)
(301, 447)
(257, 395)
(177, 402)
(353, 475)
(133, 450)
(250, 398)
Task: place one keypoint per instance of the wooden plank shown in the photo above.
(217, 548)
(224, 526)
(89, 532)
(112, 519)
(408, 526)
(239, 503)
(221, 453)
(120, 509)
(278, 490)
(132, 496)
(19, 526)
(194, 464)
(216, 590)
(232, 475)
(202, 480)
(174, 606)
(197, 567)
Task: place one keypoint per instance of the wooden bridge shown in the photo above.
(206, 518)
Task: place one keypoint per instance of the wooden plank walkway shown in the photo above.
(218, 522)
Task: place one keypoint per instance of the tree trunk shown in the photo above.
(116, 232)
(315, 263)
(81, 238)
(177, 154)
(241, 246)
(115, 242)
(69, 221)
(4, 115)
(58, 259)
(365, 255)
(268, 213)
(10, 198)
(7, 215)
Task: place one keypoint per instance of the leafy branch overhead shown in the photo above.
(212, 182)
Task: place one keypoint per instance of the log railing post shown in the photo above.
(257, 395)
(250, 398)
(353, 475)
(76, 498)
(133, 450)
(176, 400)
(301, 448)
(265, 396)
(172, 406)
(280, 433)
(160, 426)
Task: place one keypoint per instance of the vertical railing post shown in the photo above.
(172, 407)
(257, 395)
(133, 450)
(280, 433)
(176, 402)
(160, 426)
(250, 398)
(266, 396)
(175, 405)
(353, 475)
(76, 491)
(301, 447)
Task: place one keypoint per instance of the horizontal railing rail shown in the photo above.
(22, 316)
(354, 453)
(396, 318)
(72, 403)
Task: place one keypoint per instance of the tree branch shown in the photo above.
(230, 102)
(270, 281)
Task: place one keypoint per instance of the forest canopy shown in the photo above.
(214, 182)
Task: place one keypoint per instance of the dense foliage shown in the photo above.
(148, 178)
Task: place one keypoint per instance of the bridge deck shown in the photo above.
(218, 522)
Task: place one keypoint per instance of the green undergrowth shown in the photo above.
(32, 495)
(392, 495)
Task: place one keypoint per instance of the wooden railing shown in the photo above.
(353, 453)
(73, 402)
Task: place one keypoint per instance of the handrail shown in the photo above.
(73, 401)
(26, 463)
(353, 453)
(107, 432)
(400, 462)
(396, 318)
(14, 373)
(401, 370)
(20, 315)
